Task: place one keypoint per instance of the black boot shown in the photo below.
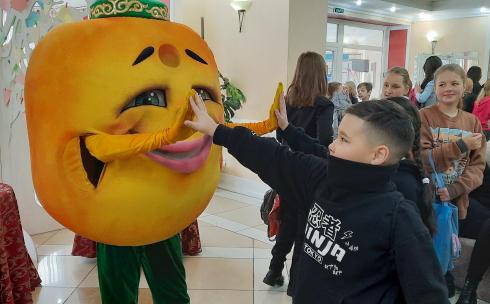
(468, 293)
(274, 278)
(451, 288)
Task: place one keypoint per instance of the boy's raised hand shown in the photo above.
(203, 123)
(281, 114)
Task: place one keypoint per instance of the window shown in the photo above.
(362, 36)
(332, 30)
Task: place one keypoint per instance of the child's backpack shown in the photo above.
(267, 204)
(274, 219)
(269, 213)
(445, 240)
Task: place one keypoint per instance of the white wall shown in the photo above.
(275, 33)
(254, 60)
(456, 35)
(15, 170)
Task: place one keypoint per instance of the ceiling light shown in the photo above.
(424, 16)
(393, 9)
(359, 2)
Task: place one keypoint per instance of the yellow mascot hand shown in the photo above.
(107, 147)
(265, 126)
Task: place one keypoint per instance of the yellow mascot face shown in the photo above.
(120, 76)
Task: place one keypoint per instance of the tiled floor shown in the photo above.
(234, 260)
(230, 269)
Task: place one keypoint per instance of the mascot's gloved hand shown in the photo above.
(266, 126)
(107, 147)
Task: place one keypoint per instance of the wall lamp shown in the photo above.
(241, 6)
(432, 37)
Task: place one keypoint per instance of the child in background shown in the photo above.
(364, 90)
(341, 103)
(481, 108)
(364, 243)
(458, 148)
(396, 83)
(309, 108)
(350, 90)
(425, 93)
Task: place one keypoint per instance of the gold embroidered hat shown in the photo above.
(150, 9)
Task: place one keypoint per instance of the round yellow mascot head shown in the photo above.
(100, 94)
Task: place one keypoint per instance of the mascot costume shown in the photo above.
(111, 159)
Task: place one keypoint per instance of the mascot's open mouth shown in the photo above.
(183, 156)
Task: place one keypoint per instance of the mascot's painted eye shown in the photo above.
(148, 98)
(205, 95)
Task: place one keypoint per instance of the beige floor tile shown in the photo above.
(212, 273)
(203, 224)
(39, 239)
(218, 237)
(262, 227)
(220, 204)
(223, 223)
(221, 296)
(267, 297)
(92, 280)
(255, 234)
(54, 250)
(225, 252)
(261, 266)
(51, 295)
(145, 296)
(249, 216)
(92, 296)
(85, 296)
(262, 245)
(62, 237)
(63, 271)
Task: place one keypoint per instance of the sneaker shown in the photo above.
(273, 278)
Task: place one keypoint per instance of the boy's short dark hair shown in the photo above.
(367, 85)
(387, 123)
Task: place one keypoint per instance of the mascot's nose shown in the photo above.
(169, 55)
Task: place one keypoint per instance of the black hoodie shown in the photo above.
(364, 243)
(407, 179)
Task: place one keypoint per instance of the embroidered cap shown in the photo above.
(149, 9)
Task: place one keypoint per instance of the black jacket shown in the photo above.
(407, 179)
(364, 243)
(316, 120)
(482, 193)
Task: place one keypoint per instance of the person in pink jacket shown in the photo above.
(482, 108)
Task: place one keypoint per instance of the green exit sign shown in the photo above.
(338, 10)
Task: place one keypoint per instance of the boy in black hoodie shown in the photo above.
(364, 243)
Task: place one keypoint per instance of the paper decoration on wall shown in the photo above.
(32, 19)
(24, 22)
(6, 96)
(5, 5)
(19, 5)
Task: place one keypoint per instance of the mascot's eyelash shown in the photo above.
(144, 54)
(195, 56)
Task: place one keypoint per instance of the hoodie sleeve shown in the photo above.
(298, 140)
(324, 121)
(292, 174)
(416, 263)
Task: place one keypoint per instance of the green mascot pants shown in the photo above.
(119, 269)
